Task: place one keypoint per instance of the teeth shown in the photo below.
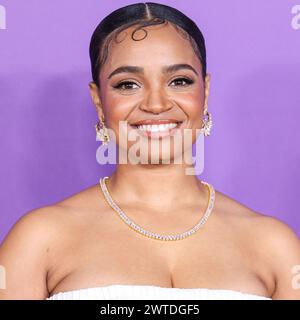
(157, 127)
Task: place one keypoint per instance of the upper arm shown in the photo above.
(23, 257)
(283, 248)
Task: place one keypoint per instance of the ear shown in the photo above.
(206, 88)
(95, 94)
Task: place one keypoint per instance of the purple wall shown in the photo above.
(48, 146)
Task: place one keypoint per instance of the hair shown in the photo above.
(142, 15)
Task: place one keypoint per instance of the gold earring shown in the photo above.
(101, 131)
(207, 122)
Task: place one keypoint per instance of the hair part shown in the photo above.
(142, 15)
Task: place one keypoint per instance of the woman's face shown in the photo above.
(152, 90)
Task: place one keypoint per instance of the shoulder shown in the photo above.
(39, 223)
(24, 254)
(272, 240)
(276, 236)
(34, 232)
(281, 247)
(234, 210)
(46, 222)
(32, 224)
(51, 222)
(269, 230)
(33, 241)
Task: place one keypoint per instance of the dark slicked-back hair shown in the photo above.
(142, 15)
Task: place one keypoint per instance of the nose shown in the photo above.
(156, 102)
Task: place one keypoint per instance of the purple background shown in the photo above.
(48, 146)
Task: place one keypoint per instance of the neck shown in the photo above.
(156, 186)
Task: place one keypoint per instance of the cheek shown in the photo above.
(193, 105)
(117, 108)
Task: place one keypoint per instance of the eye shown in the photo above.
(180, 80)
(124, 85)
(128, 85)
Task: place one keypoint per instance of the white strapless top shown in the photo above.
(151, 292)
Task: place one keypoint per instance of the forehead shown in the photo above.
(162, 45)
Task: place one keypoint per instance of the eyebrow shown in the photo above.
(166, 70)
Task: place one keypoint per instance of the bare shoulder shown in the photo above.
(89, 197)
(23, 254)
(48, 222)
(31, 241)
(281, 247)
(272, 239)
(37, 224)
(261, 226)
(235, 210)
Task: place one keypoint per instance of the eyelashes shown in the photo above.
(187, 80)
(123, 85)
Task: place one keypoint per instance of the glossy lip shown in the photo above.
(154, 121)
(158, 134)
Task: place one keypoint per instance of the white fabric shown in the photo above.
(151, 292)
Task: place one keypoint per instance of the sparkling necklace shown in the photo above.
(137, 228)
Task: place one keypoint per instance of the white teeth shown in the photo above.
(157, 127)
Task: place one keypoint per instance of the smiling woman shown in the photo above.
(177, 237)
(175, 89)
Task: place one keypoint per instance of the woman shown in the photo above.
(149, 68)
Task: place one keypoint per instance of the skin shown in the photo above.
(80, 242)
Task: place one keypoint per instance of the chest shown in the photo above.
(119, 255)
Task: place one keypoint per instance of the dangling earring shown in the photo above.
(207, 122)
(102, 132)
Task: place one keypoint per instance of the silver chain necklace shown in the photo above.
(137, 228)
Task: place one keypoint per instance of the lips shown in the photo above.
(155, 121)
(157, 128)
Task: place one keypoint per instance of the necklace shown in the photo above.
(137, 228)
